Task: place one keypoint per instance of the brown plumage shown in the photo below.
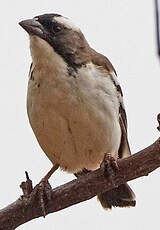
(75, 103)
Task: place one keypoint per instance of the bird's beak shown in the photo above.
(32, 26)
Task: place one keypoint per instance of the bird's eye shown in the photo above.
(56, 28)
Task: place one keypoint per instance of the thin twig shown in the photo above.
(157, 26)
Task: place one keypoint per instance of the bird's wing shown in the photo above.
(102, 61)
(124, 149)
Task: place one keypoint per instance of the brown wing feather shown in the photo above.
(124, 149)
(102, 61)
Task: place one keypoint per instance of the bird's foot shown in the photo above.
(43, 191)
(109, 166)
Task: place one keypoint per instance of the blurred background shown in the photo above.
(124, 31)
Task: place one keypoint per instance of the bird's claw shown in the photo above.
(44, 192)
(109, 166)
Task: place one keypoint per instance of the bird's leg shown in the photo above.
(109, 166)
(49, 174)
(44, 189)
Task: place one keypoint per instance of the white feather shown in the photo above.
(67, 23)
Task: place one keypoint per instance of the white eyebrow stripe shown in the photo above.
(67, 23)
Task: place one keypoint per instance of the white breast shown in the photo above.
(75, 119)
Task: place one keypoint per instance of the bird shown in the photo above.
(75, 103)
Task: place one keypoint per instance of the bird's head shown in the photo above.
(55, 33)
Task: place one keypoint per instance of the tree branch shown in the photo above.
(81, 189)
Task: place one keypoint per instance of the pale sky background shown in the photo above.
(122, 30)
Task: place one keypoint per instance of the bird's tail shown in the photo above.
(122, 196)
